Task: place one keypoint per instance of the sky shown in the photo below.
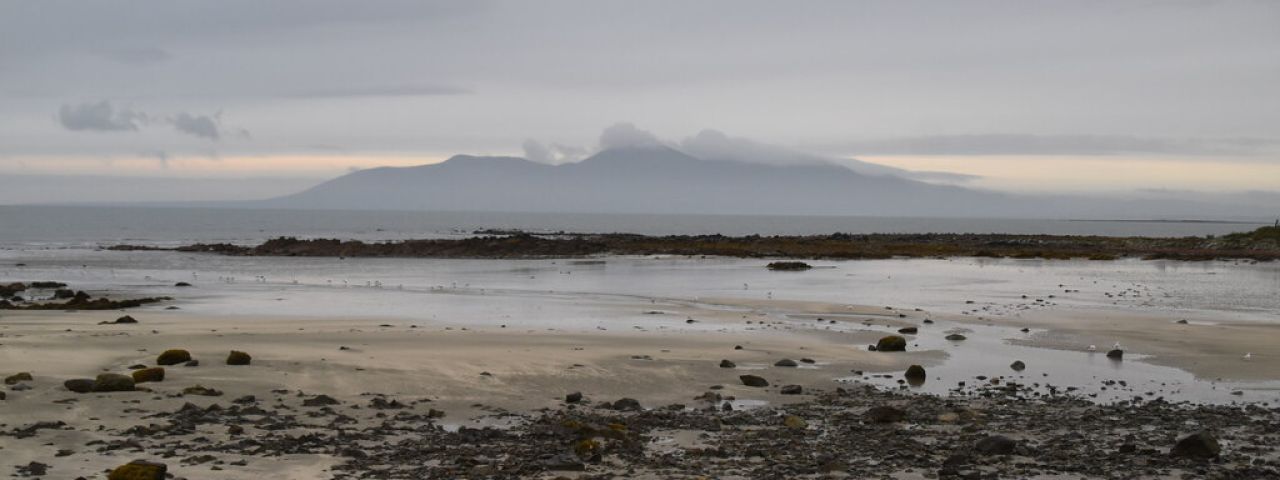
(254, 98)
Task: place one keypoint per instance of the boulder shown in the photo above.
(753, 381)
(727, 364)
(1116, 354)
(574, 397)
(786, 362)
(148, 375)
(792, 390)
(908, 330)
(1197, 446)
(18, 378)
(173, 357)
(1018, 366)
(113, 382)
(237, 357)
(915, 372)
(995, 445)
(626, 405)
(79, 385)
(139, 470)
(885, 414)
(126, 319)
(891, 343)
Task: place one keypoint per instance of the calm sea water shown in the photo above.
(50, 226)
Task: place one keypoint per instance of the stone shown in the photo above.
(173, 357)
(1116, 354)
(237, 357)
(1018, 366)
(148, 375)
(727, 364)
(192, 363)
(753, 381)
(956, 337)
(319, 401)
(791, 390)
(18, 378)
(1197, 446)
(202, 390)
(126, 319)
(626, 405)
(79, 385)
(885, 414)
(139, 470)
(574, 397)
(915, 372)
(908, 330)
(113, 382)
(786, 362)
(995, 445)
(891, 343)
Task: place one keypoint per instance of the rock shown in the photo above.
(908, 330)
(871, 348)
(1018, 366)
(1116, 354)
(795, 423)
(137, 366)
(792, 390)
(202, 390)
(18, 378)
(885, 414)
(235, 430)
(126, 319)
(808, 361)
(139, 470)
(148, 375)
(237, 357)
(915, 372)
(1183, 322)
(753, 381)
(789, 266)
(574, 397)
(1198, 446)
(956, 337)
(564, 462)
(626, 405)
(79, 385)
(727, 364)
(182, 284)
(173, 357)
(995, 445)
(2, 395)
(891, 343)
(786, 362)
(320, 401)
(113, 382)
(192, 363)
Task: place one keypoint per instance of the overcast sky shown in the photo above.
(1021, 95)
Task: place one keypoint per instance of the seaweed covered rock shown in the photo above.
(915, 373)
(79, 385)
(173, 357)
(113, 382)
(144, 375)
(789, 266)
(237, 357)
(18, 378)
(891, 343)
(139, 470)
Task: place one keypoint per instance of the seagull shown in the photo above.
(1116, 346)
(1093, 348)
(1248, 356)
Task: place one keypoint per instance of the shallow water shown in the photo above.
(614, 293)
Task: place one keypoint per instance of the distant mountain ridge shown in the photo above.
(649, 179)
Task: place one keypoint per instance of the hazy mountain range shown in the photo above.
(661, 179)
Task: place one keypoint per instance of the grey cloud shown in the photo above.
(1026, 144)
(626, 135)
(99, 117)
(715, 145)
(553, 154)
(380, 91)
(203, 126)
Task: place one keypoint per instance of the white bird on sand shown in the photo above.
(1093, 348)
(1116, 346)
(1248, 356)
